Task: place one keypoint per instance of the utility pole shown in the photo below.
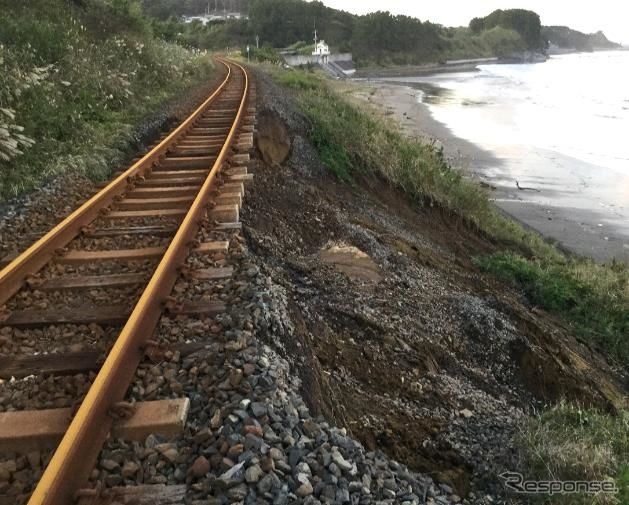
(257, 41)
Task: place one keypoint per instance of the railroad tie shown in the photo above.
(29, 430)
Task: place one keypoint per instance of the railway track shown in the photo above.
(88, 298)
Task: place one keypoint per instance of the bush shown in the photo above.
(73, 80)
(502, 42)
(262, 55)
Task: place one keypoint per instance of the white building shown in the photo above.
(322, 51)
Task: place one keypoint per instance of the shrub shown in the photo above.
(262, 55)
(73, 80)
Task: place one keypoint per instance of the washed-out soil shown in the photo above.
(424, 356)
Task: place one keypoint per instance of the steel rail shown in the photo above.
(29, 262)
(72, 462)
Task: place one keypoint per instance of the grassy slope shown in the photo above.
(594, 299)
(75, 81)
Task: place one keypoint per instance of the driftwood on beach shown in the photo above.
(523, 188)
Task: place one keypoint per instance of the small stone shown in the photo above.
(170, 453)
(109, 464)
(328, 493)
(129, 469)
(388, 494)
(268, 482)
(203, 435)
(21, 476)
(236, 451)
(216, 420)
(235, 475)
(276, 454)
(254, 473)
(342, 495)
(340, 461)
(235, 377)
(271, 437)
(5, 475)
(200, 467)
(445, 488)
(254, 430)
(238, 493)
(267, 464)
(34, 459)
(113, 480)
(390, 484)
(466, 413)
(151, 442)
(304, 490)
(294, 456)
(258, 409)
(179, 475)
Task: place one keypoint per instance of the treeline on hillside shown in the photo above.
(526, 23)
(378, 38)
(567, 38)
(163, 9)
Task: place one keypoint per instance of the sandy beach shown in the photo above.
(581, 231)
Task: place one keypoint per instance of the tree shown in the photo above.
(526, 23)
(477, 25)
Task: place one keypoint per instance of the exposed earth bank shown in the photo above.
(394, 333)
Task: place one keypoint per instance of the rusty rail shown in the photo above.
(13, 276)
(71, 463)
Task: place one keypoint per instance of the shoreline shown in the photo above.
(574, 230)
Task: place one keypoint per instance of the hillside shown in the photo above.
(375, 39)
(566, 38)
(384, 264)
(77, 84)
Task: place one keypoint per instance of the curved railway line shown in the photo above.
(110, 267)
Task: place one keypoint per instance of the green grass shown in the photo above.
(353, 140)
(568, 442)
(591, 297)
(75, 81)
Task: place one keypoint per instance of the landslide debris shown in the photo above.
(432, 362)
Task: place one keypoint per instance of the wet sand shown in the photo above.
(582, 231)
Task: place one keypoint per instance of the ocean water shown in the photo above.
(561, 127)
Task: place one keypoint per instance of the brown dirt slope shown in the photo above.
(425, 357)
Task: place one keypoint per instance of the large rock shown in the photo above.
(272, 138)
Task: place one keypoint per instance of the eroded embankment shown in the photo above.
(402, 340)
